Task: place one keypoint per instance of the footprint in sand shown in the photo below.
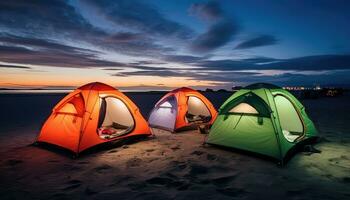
(53, 161)
(232, 192)
(72, 184)
(102, 168)
(165, 181)
(175, 147)
(59, 196)
(197, 153)
(137, 186)
(177, 166)
(72, 167)
(219, 168)
(223, 181)
(14, 162)
(159, 181)
(211, 157)
(184, 186)
(197, 170)
(151, 160)
(121, 180)
(134, 162)
(83, 162)
(75, 168)
(296, 192)
(169, 158)
(89, 191)
(346, 179)
(342, 161)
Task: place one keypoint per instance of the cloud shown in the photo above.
(144, 87)
(307, 63)
(332, 78)
(186, 59)
(59, 20)
(320, 62)
(220, 29)
(38, 43)
(208, 11)
(14, 66)
(139, 16)
(198, 74)
(113, 69)
(262, 40)
(203, 67)
(217, 35)
(157, 72)
(227, 65)
(124, 37)
(45, 18)
(15, 49)
(148, 62)
(51, 58)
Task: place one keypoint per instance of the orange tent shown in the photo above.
(92, 114)
(181, 109)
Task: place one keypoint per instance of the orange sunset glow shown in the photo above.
(71, 77)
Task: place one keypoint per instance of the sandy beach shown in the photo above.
(168, 166)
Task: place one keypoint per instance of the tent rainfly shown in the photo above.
(264, 119)
(180, 109)
(92, 114)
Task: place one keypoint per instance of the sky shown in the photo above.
(161, 45)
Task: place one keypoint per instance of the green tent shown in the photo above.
(264, 119)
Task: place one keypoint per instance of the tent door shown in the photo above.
(164, 114)
(197, 111)
(291, 123)
(115, 118)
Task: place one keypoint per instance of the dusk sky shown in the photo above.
(157, 44)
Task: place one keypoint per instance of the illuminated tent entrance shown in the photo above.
(92, 114)
(262, 118)
(181, 109)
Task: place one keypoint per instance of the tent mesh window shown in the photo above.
(74, 106)
(197, 110)
(166, 104)
(291, 124)
(115, 118)
(244, 108)
(247, 104)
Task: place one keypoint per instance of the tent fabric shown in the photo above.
(280, 124)
(186, 105)
(75, 121)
